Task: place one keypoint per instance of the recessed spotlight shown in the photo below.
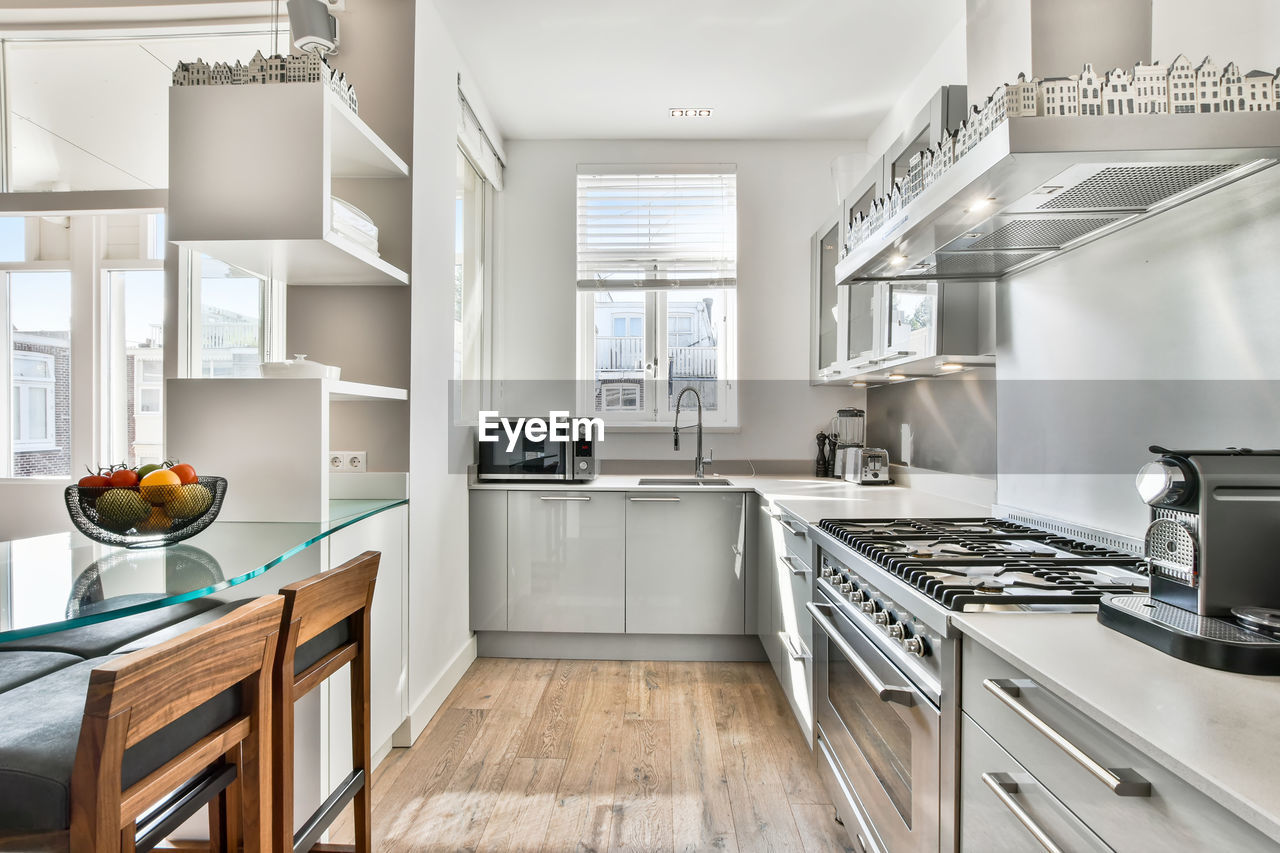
(951, 366)
(691, 112)
(898, 260)
(858, 384)
(980, 204)
(897, 377)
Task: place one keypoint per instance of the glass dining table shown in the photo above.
(65, 580)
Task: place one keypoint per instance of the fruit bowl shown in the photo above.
(142, 517)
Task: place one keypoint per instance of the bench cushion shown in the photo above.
(38, 746)
(177, 629)
(19, 667)
(90, 641)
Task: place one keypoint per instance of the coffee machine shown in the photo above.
(1211, 552)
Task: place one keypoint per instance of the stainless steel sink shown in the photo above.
(684, 481)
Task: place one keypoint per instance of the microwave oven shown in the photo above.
(547, 460)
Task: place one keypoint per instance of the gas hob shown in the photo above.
(990, 563)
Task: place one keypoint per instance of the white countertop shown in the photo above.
(808, 498)
(1219, 731)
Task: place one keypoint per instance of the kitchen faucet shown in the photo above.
(699, 462)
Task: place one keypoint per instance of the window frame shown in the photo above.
(658, 413)
(23, 386)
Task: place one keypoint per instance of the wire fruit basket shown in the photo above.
(149, 517)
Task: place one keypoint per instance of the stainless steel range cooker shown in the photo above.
(886, 660)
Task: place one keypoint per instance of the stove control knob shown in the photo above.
(846, 588)
(896, 631)
(857, 597)
(882, 618)
(916, 646)
(826, 572)
(868, 607)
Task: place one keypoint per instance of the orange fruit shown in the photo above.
(159, 486)
(157, 522)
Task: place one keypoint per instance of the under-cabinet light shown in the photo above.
(980, 204)
(898, 260)
(951, 366)
(897, 376)
(858, 384)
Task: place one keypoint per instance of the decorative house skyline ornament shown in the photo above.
(1180, 88)
(294, 68)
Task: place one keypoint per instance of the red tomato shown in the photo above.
(124, 479)
(94, 481)
(186, 473)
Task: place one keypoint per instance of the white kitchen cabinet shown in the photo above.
(488, 560)
(793, 582)
(685, 571)
(765, 562)
(566, 554)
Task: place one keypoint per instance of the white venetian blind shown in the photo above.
(661, 228)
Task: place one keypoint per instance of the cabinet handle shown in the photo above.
(792, 651)
(791, 564)
(1004, 791)
(791, 528)
(736, 549)
(564, 498)
(1123, 783)
(654, 500)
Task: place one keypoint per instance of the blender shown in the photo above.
(848, 428)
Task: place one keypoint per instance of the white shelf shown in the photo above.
(355, 151)
(330, 260)
(341, 391)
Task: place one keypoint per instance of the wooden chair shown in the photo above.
(326, 627)
(166, 688)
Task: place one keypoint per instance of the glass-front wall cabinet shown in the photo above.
(826, 252)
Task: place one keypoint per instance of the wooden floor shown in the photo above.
(606, 755)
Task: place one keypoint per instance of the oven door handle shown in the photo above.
(885, 692)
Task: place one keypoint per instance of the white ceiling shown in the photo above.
(771, 69)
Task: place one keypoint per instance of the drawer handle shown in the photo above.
(1004, 789)
(736, 549)
(654, 500)
(1123, 783)
(884, 692)
(565, 498)
(791, 528)
(791, 564)
(793, 652)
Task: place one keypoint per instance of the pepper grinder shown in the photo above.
(832, 445)
(822, 466)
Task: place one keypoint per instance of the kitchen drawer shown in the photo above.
(795, 538)
(795, 586)
(1004, 809)
(796, 678)
(1172, 815)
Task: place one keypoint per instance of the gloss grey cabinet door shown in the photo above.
(566, 561)
(686, 568)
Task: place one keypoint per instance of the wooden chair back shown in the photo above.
(138, 694)
(311, 607)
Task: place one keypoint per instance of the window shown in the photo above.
(469, 274)
(39, 350)
(135, 301)
(657, 270)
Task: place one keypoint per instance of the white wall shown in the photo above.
(785, 192)
(945, 68)
(1246, 31)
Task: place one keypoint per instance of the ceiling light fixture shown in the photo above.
(691, 112)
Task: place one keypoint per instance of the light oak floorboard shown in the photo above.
(596, 756)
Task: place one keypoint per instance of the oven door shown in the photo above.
(880, 730)
(527, 460)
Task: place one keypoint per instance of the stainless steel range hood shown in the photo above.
(1037, 187)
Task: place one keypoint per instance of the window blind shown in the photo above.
(664, 228)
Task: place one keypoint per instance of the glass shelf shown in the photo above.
(64, 580)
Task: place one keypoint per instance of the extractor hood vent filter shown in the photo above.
(1135, 187)
(1040, 233)
(977, 263)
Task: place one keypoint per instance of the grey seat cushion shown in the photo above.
(38, 741)
(177, 629)
(19, 667)
(90, 641)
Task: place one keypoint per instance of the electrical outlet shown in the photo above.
(337, 460)
(355, 460)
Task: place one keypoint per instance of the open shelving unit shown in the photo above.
(251, 171)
